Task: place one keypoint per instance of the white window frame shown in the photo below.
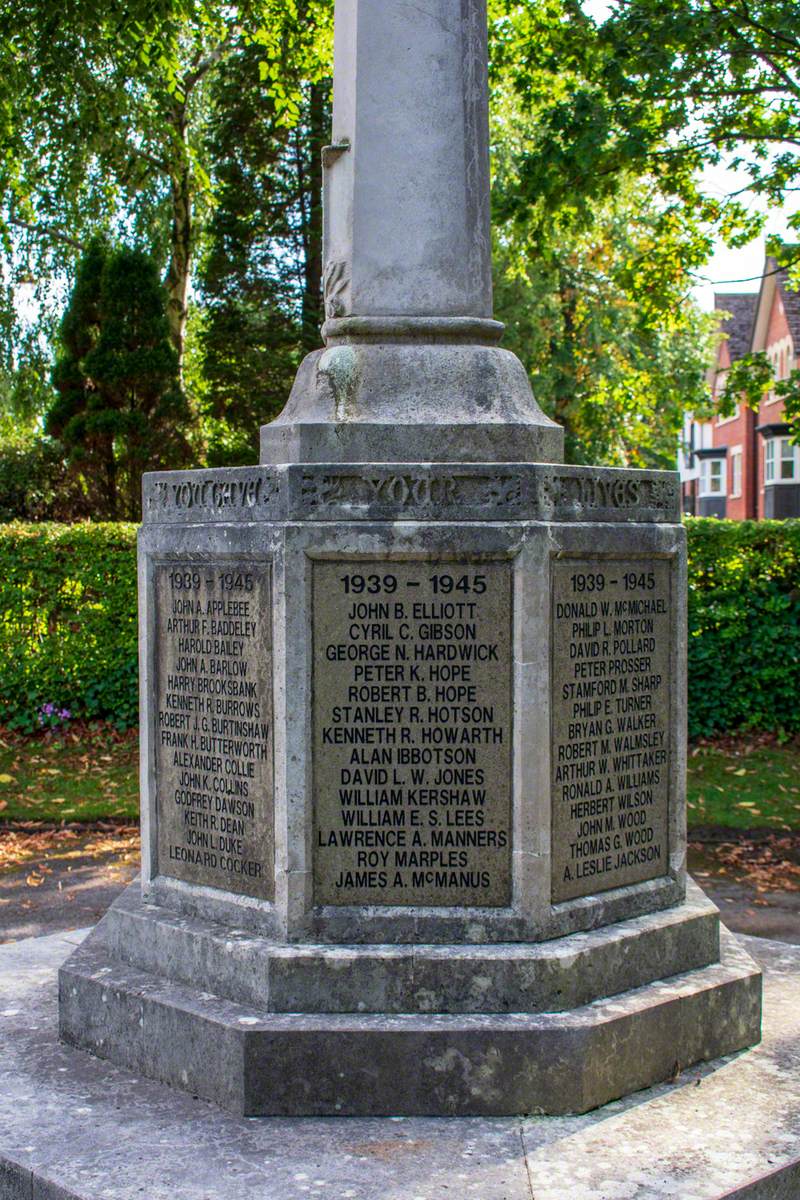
(777, 451)
(784, 346)
(769, 460)
(719, 388)
(737, 412)
(709, 477)
(736, 469)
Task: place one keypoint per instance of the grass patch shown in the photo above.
(744, 783)
(84, 773)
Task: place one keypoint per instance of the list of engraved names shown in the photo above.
(412, 733)
(213, 725)
(610, 741)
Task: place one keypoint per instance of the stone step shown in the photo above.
(327, 1064)
(542, 977)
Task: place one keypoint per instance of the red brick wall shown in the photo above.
(734, 433)
(768, 414)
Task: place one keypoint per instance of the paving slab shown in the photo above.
(74, 1128)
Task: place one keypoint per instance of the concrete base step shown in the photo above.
(73, 1127)
(550, 976)
(373, 1064)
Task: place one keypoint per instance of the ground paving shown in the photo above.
(75, 891)
(74, 1128)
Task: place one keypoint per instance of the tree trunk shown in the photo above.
(564, 392)
(110, 482)
(180, 261)
(312, 206)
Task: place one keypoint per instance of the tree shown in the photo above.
(616, 373)
(660, 88)
(120, 409)
(261, 276)
(594, 296)
(102, 111)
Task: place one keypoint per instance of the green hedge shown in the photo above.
(744, 625)
(68, 622)
(68, 633)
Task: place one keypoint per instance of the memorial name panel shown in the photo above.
(412, 733)
(610, 745)
(213, 725)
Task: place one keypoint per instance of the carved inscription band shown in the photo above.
(437, 493)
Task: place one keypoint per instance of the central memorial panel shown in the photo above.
(412, 733)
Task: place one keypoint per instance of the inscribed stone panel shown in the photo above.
(610, 743)
(412, 733)
(213, 725)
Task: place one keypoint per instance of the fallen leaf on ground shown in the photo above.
(769, 863)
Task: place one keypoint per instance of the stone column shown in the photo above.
(407, 230)
(412, 370)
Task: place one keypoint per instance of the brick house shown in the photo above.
(744, 466)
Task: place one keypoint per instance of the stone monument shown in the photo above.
(412, 695)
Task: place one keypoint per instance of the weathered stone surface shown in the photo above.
(544, 977)
(470, 1064)
(412, 732)
(411, 238)
(376, 491)
(724, 1134)
(523, 552)
(73, 1126)
(414, 396)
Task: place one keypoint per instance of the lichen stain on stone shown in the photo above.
(341, 368)
(480, 1078)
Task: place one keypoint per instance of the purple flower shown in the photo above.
(51, 716)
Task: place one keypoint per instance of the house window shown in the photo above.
(788, 464)
(711, 478)
(736, 473)
(733, 416)
(781, 461)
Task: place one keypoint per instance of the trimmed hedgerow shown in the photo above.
(68, 622)
(744, 625)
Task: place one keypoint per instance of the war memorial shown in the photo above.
(413, 730)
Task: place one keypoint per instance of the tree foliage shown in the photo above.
(192, 130)
(102, 118)
(260, 281)
(120, 409)
(660, 88)
(594, 296)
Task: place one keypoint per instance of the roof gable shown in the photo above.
(738, 326)
(791, 305)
